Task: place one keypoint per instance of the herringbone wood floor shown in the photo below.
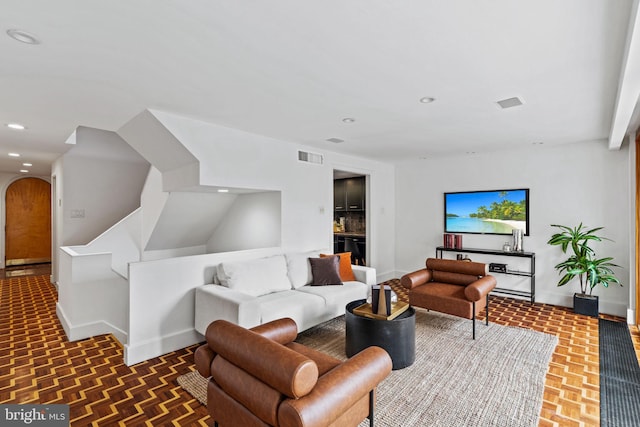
(39, 365)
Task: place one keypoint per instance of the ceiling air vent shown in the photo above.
(510, 102)
(314, 158)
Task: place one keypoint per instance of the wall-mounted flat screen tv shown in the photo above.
(487, 212)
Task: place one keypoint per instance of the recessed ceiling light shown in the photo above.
(335, 140)
(348, 120)
(14, 155)
(16, 126)
(24, 171)
(27, 164)
(427, 100)
(23, 36)
(223, 190)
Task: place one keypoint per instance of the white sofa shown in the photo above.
(256, 291)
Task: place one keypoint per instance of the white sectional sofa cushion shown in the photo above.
(305, 309)
(255, 277)
(260, 290)
(336, 295)
(299, 268)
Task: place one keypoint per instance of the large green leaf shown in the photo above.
(582, 263)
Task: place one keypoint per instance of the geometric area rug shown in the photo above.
(495, 380)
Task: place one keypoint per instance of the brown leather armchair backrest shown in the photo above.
(455, 272)
(283, 369)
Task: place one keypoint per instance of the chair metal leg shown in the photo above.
(474, 320)
(371, 400)
(487, 310)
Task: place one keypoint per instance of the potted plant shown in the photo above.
(583, 263)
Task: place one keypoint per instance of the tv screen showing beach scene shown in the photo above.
(487, 212)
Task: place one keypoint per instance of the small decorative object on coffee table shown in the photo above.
(382, 302)
(382, 305)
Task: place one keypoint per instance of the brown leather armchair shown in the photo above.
(459, 288)
(261, 377)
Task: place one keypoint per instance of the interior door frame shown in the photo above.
(3, 213)
(636, 262)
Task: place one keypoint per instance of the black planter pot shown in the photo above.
(585, 304)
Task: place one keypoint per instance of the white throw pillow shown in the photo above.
(299, 268)
(255, 277)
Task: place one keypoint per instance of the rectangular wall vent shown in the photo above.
(305, 156)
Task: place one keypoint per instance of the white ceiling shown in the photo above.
(294, 69)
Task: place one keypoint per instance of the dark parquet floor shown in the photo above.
(39, 365)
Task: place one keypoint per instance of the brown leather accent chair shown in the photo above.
(459, 288)
(261, 377)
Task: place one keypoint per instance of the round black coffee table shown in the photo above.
(397, 336)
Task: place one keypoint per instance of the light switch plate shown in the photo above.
(77, 213)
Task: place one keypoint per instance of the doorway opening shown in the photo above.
(350, 220)
(27, 222)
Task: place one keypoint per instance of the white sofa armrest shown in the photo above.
(364, 274)
(214, 302)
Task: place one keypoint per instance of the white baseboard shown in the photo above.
(88, 330)
(139, 352)
(383, 277)
(631, 316)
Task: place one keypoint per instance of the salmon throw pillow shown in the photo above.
(346, 272)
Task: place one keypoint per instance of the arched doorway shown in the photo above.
(28, 222)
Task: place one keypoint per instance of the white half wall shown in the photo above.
(162, 301)
(569, 184)
(92, 298)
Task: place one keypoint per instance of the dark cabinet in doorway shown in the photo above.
(340, 195)
(355, 194)
(349, 194)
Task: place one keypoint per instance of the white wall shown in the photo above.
(100, 176)
(253, 221)
(582, 182)
(104, 187)
(188, 219)
(121, 242)
(236, 159)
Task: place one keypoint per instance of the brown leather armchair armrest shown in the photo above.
(480, 288)
(203, 358)
(338, 390)
(417, 278)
